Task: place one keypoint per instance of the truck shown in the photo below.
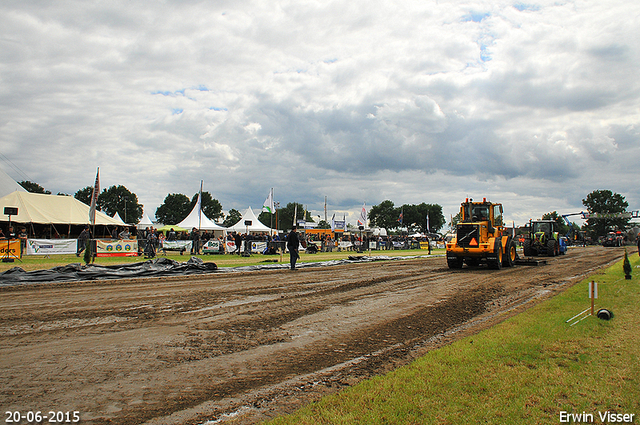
(544, 238)
(481, 237)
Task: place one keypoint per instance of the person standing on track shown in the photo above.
(292, 245)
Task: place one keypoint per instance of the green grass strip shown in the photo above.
(525, 370)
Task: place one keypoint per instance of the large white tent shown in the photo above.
(50, 209)
(8, 185)
(255, 227)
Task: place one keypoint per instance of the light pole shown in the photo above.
(126, 198)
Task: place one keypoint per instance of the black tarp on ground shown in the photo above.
(77, 271)
(161, 267)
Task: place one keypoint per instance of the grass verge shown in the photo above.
(526, 370)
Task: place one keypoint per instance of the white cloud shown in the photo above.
(534, 105)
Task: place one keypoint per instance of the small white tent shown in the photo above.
(197, 219)
(145, 222)
(255, 227)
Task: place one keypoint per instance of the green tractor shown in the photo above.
(544, 239)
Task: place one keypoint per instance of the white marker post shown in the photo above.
(593, 294)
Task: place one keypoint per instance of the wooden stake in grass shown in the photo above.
(593, 294)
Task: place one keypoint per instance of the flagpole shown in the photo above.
(92, 211)
(271, 213)
(200, 206)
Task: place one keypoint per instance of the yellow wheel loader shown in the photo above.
(481, 237)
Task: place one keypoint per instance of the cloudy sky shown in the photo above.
(532, 104)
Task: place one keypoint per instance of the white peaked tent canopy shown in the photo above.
(197, 219)
(116, 216)
(50, 209)
(256, 225)
(8, 185)
(145, 222)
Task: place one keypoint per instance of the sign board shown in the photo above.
(10, 248)
(212, 247)
(117, 248)
(51, 246)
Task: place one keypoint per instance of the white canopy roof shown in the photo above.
(256, 225)
(8, 185)
(197, 219)
(145, 222)
(50, 209)
(116, 216)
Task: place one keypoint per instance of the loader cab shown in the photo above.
(475, 212)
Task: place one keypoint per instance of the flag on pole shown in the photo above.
(333, 223)
(400, 218)
(295, 215)
(199, 204)
(268, 206)
(94, 199)
(362, 221)
(428, 227)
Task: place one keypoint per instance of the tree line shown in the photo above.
(176, 207)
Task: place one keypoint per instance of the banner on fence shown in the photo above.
(258, 247)
(117, 248)
(181, 245)
(51, 246)
(212, 247)
(10, 248)
(344, 245)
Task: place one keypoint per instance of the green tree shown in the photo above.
(174, 208)
(385, 215)
(119, 199)
(84, 195)
(323, 225)
(267, 219)
(455, 220)
(33, 187)
(436, 218)
(414, 217)
(232, 218)
(562, 226)
(605, 202)
(285, 215)
(210, 207)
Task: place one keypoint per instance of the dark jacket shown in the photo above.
(292, 241)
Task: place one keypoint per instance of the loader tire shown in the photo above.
(511, 253)
(497, 263)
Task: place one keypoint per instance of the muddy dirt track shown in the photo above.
(253, 345)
